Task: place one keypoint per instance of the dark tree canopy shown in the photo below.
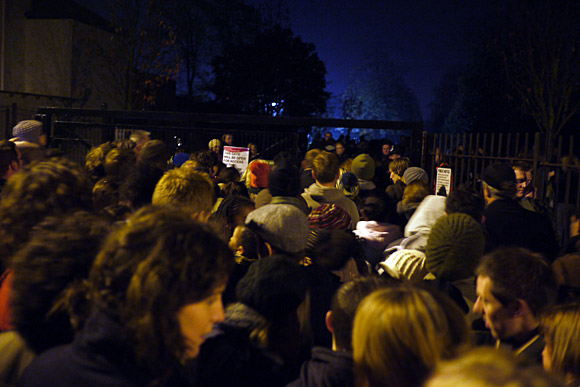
(379, 91)
(276, 73)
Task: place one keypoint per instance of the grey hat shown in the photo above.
(29, 130)
(284, 226)
(414, 173)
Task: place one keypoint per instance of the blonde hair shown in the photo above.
(561, 327)
(399, 336)
(326, 167)
(185, 188)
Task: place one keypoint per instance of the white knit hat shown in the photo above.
(409, 264)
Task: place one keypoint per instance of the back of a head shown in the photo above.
(148, 269)
(393, 329)
(309, 157)
(330, 217)
(490, 367)
(140, 137)
(283, 226)
(332, 249)
(118, 162)
(48, 275)
(43, 188)
(378, 208)
(344, 304)
(325, 167)
(187, 189)
(363, 166)
(415, 191)
(154, 153)
(95, 160)
(465, 202)
(501, 180)
(561, 328)
(518, 273)
(284, 180)
(455, 245)
(399, 166)
(8, 155)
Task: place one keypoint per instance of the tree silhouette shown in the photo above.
(275, 73)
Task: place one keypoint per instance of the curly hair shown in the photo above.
(48, 270)
(142, 281)
(95, 160)
(44, 188)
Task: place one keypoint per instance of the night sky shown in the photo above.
(423, 37)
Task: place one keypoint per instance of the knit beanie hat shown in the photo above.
(259, 173)
(348, 184)
(284, 181)
(454, 247)
(330, 217)
(363, 166)
(407, 263)
(29, 130)
(273, 286)
(498, 174)
(214, 142)
(284, 226)
(415, 173)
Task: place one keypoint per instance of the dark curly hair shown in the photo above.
(41, 189)
(157, 262)
(47, 270)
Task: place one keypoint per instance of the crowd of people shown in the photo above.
(340, 269)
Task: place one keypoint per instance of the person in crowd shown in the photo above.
(281, 228)
(454, 248)
(229, 183)
(413, 195)
(377, 228)
(283, 188)
(561, 355)
(509, 224)
(514, 288)
(254, 154)
(341, 152)
(363, 167)
(190, 191)
(95, 160)
(48, 275)
(382, 165)
(334, 366)
(140, 138)
(397, 169)
(259, 343)
(10, 161)
(348, 184)
(228, 139)
(404, 264)
(332, 257)
(329, 217)
(465, 201)
(306, 178)
(155, 291)
(400, 334)
(525, 185)
(325, 172)
(256, 177)
(28, 197)
(28, 136)
(138, 188)
(489, 367)
(232, 212)
(329, 141)
(215, 146)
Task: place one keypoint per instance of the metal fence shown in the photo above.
(554, 163)
(75, 131)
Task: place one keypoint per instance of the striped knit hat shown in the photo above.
(329, 217)
(409, 264)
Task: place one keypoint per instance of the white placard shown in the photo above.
(443, 179)
(236, 157)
